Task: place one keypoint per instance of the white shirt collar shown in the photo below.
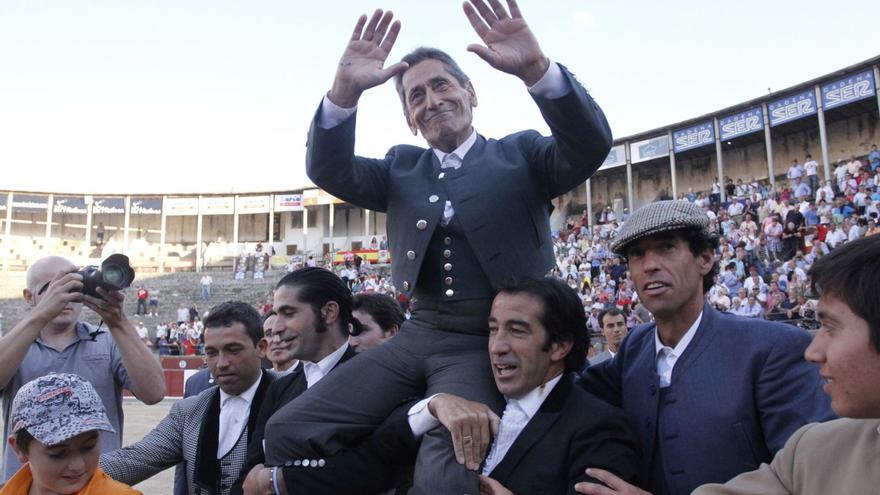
(532, 401)
(315, 371)
(247, 395)
(683, 343)
(461, 150)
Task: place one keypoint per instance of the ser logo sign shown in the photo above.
(853, 88)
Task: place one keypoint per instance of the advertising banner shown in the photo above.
(740, 124)
(289, 202)
(693, 137)
(217, 205)
(146, 206)
(69, 205)
(181, 206)
(648, 149)
(29, 203)
(253, 204)
(792, 107)
(109, 206)
(851, 88)
(616, 157)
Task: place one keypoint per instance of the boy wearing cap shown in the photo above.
(57, 421)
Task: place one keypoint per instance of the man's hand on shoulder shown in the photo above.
(361, 65)
(613, 485)
(510, 45)
(471, 424)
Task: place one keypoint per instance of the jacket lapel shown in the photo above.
(706, 332)
(206, 472)
(535, 430)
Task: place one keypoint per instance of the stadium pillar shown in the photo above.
(768, 143)
(672, 166)
(50, 202)
(7, 234)
(271, 224)
(88, 229)
(877, 84)
(589, 203)
(162, 225)
(823, 136)
(199, 237)
(235, 224)
(305, 231)
(629, 180)
(720, 159)
(366, 222)
(332, 217)
(127, 226)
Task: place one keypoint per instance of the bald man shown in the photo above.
(50, 338)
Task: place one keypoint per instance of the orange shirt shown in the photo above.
(100, 484)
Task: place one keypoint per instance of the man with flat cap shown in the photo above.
(463, 214)
(711, 394)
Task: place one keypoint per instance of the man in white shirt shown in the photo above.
(206, 287)
(666, 374)
(811, 168)
(795, 171)
(207, 432)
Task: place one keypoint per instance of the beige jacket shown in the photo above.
(840, 456)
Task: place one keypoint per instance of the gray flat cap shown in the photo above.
(658, 217)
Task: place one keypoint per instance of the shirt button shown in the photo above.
(448, 280)
(447, 253)
(411, 255)
(442, 175)
(433, 198)
(421, 224)
(449, 292)
(447, 267)
(406, 286)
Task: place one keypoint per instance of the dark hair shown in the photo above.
(225, 314)
(317, 287)
(385, 310)
(614, 311)
(427, 53)
(851, 273)
(563, 315)
(23, 440)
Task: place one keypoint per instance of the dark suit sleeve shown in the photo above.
(604, 380)
(369, 468)
(332, 165)
(580, 142)
(255, 454)
(789, 391)
(610, 444)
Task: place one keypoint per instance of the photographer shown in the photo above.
(50, 338)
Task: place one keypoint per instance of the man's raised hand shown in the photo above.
(362, 64)
(510, 45)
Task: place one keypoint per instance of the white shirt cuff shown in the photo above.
(332, 114)
(421, 420)
(552, 84)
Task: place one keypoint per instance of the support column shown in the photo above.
(88, 228)
(235, 226)
(271, 223)
(50, 204)
(823, 136)
(162, 226)
(367, 223)
(332, 218)
(589, 204)
(7, 234)
(768, 143)
(629, 180)
(720, 159)
(877, 85)
(127, 227)
(199, 236)
(305, 231)
(671, 166)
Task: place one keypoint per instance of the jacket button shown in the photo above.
(447, 267)
(442, 175)
(313, 463)
(433, 198)
(411, 255)
(447, 240)
(406, 286)
(322, 463)
(447, 253)
(450, 292)
(297, 462)
(448, 280)
(421, 224)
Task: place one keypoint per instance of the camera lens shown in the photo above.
(113, 275)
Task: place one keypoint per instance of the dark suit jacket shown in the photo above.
(501, 193)
(571, 431)
(281, 392)
(740, 389)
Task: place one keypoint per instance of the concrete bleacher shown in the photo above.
(173, 289)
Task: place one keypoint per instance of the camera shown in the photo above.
(115, 273)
